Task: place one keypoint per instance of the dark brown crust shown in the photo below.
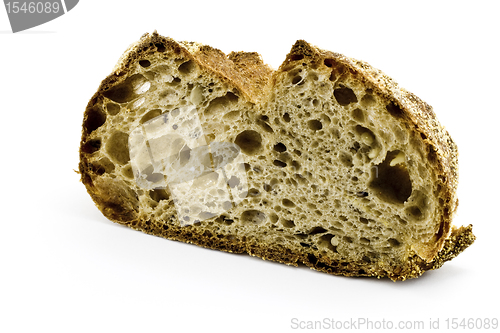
(247, 73)
(459, 240)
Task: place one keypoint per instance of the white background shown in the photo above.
(66, 268)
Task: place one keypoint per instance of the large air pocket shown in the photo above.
(390, 180)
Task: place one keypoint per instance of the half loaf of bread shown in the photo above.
(325, 161)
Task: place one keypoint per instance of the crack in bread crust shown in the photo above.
(248, 81)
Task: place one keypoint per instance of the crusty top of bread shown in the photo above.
(258, 88)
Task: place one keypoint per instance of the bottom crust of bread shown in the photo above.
(459, 239)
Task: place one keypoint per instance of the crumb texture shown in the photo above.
(323, 162)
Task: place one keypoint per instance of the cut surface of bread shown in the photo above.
(325, 162)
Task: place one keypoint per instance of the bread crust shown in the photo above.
(247, 73)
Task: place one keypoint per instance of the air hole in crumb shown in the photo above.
(288, 223)
(117, 147)
(301, 179)
(391, 183)
(400, 220)
(368, 100)
(253, 192)
(363, 220)
(279, 147)
(325, 241)
(312, 76)
(221, 104)
(159, 195)
(127, 171)
(332, 77)
(104, 165)
(232, 115)
(295, 165)
(394, 110)
(325, 119)
(394, 242)
(431, 153)
(288, 203)
(366, 136)
(317, 230)
(328, 62)
(265, 126)
(125, 91)
(286, 117)
(160, 47)
(187, 67)
(279, 163)
(345, 96)
(91, 146)
(112, 108)
(295, 57)
(346, 159)
(414, 212)
(296, 79)
(314, 125)
(253, 216)
(227, 220)
(249, 141)
(358, 115)
(144, 63)
(364, 241)
(150, 115)
(95, 119)
(347, 239)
